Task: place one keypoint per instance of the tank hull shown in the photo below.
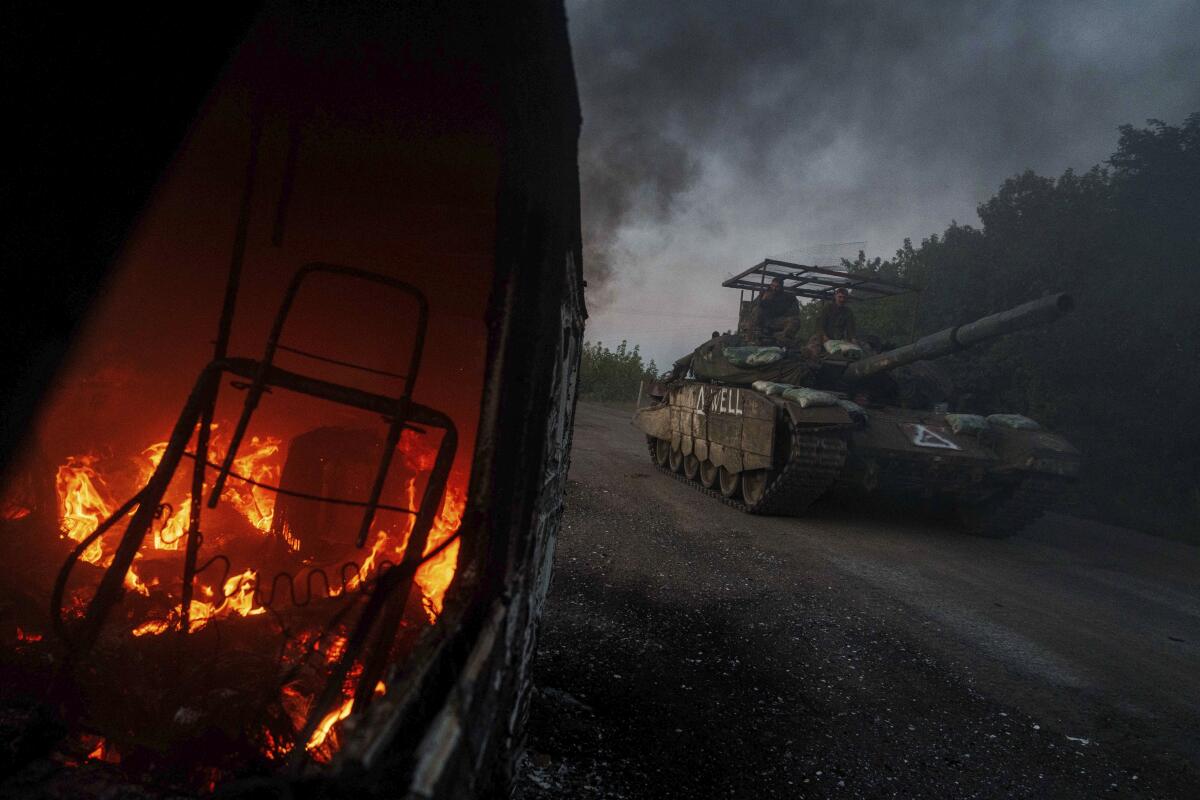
(769, 455)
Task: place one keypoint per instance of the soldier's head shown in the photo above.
(840, 296)
(776, 286)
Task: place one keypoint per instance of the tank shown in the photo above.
(773, 438)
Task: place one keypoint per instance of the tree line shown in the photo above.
(1120, 376)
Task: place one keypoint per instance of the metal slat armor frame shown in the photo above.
(818, 283)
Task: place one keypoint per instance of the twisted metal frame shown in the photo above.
(386, 594)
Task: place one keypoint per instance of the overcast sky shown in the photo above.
(718, 133)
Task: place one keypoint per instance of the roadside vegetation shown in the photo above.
(1120, 376)
(612, 376)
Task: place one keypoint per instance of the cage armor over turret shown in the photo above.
(770, 429)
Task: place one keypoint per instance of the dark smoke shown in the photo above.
(769, 125)
(634, 168)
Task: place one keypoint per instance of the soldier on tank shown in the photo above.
(836, 322)
(775, 312)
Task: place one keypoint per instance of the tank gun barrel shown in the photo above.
(951, 340)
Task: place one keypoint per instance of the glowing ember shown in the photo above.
(15, 511)
(26, 636)
(103, 751)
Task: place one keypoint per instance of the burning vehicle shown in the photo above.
(285, 520)
(771, 427)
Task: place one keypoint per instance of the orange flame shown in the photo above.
(239, 600)
(435, 575)
(84, 508)
(324, 729)
(259, 464)
(103, 751)
(83, 505)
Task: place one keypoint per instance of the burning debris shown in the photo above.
(261, 630)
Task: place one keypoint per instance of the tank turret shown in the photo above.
(960, 337)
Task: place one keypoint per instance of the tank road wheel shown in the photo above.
(754, 485)
(691, 467)
(731, 482)
(661, 452)
(708, 474)
(676, 460)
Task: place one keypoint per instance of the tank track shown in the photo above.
(813, 467)
(1015, 510)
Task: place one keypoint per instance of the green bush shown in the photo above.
(613, 375)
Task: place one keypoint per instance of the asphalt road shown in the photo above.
(690, 650)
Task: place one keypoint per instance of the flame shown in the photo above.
(435, 575)
(169, 535)
(83, 505)
(324, 729)
(239, 599)
(84, 508)
(258, 464)
(258, 461)
(382, 540)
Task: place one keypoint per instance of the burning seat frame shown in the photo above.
(387, 593)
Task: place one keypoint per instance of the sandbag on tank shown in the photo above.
(753, 356)
(771, 388)
(801, 395)
(840, 348)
